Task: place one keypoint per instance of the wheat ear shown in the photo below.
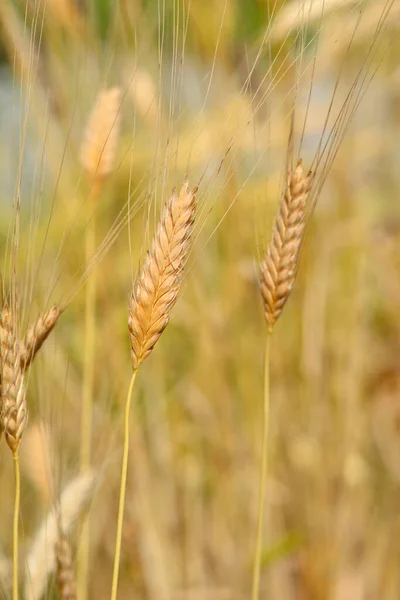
(157, 287)
(278, 270)
(37, 335)
(277, 275)
(41, 558)
(101, 135)
(97, 157)
(64, 569)
(13, 412)
(151, 302)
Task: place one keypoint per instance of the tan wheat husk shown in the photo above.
(158, 284)
(278, 270)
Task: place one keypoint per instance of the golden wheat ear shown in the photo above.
(13, 411)
(278, 270)
(37, 335)
(64, 570)
(158, 284)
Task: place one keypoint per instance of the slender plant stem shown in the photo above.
(15, 524)
(263, 476)
(122, 491)
(88, 385)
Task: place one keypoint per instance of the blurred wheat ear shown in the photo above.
(41, 558)
(99, 146)
(278, 270)
(65, 571)
(158, 285)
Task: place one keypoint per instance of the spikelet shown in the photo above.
(101, 136)
(278, 270)
(64, 569)
(37, 335)
(13, 412)
(143, 93)
(157, 287)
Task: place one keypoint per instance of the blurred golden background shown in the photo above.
(208, 89)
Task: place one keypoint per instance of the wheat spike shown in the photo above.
(64, 570)
(37, 335)
(101, 135)
(278, 270)
(13, 412)
(157, 287)
(41, 559)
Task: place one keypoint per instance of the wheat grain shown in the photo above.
(278, 270)
(13, 412)
(64, 570)
(157, 287)
(101, 135)
(37, 335)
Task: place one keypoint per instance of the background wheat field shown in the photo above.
(105, 107)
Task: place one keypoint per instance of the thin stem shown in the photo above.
(263, 476)
(88, 384)
(15, 524)
(124, 471)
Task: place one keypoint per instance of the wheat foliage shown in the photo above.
(278, 270)
(158, 284)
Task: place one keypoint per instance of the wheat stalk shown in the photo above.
(37, 335)
(151, 302)
(97, 156)
(64, 569)
(157, 287)
(277, 276)
(278, 270)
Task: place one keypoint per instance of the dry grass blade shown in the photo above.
(13, 412)
(65, 571)
(278, 270)
(157, 287)
(41, 560)
(101, 136)
(37, 335)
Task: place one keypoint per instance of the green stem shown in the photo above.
(122, 491)
(15, 524)
(263, 476)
